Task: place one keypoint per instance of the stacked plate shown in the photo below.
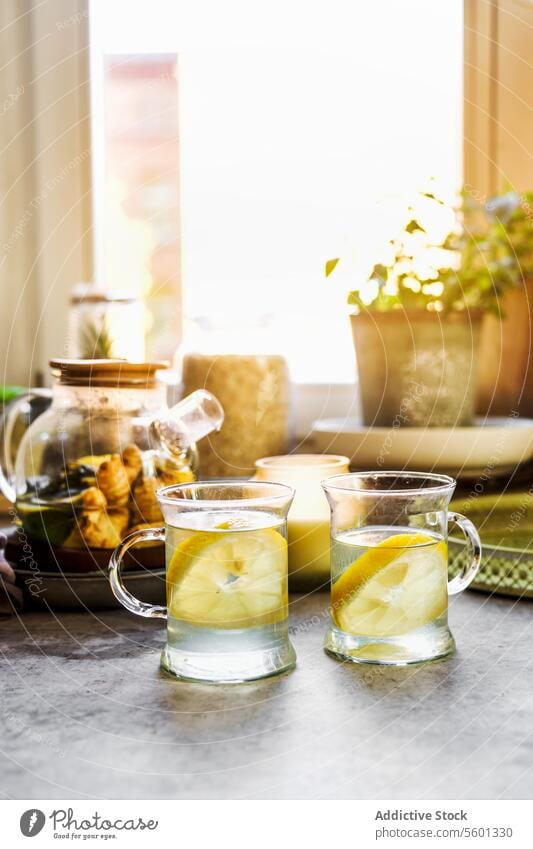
(492, 446)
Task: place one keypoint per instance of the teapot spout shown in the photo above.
(188, 421)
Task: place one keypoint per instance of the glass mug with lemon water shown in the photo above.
(226, 580)
(389, 566)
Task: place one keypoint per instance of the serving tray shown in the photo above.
(89, 591)
(75, 578)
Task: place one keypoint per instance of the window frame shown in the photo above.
(57, 36)
(49, 147)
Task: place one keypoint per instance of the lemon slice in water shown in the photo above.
(395, 587)
(233, 579)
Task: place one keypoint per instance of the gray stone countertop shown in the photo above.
(85, 712)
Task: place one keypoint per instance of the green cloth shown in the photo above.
(501, 520)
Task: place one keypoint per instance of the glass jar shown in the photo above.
(104, 324)
(252, 384)
(88, 469)
(308, 522)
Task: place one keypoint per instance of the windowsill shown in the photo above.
(312, 401)
(309, 402)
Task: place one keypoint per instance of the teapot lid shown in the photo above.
(112, 372)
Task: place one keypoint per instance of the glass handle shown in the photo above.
(134, 605)
(9, 422)
(470, 569)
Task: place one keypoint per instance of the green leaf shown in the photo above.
(96, 342)
(9, 393)
(331, 265)
(486, 254)
(354, 298)
(379, 272)
(432, 197)
(414, 227)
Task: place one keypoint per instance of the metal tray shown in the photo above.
(75, 591)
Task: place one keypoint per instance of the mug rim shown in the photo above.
(442, 483)
(281, 492)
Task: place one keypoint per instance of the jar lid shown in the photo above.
(114, 372)
(97, 297)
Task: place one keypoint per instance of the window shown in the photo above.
(136, 185)
(370, 107)
(297, 143)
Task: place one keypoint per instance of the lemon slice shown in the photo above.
(393, 588)
(233, 579)
(93, 460)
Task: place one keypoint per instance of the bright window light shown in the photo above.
(302, 133)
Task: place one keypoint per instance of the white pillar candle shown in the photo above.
(308, 523)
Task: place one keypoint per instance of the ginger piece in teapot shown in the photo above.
(97, 530)
(91, 503)
(93, 499)
(112, 480)
(142, 526)
(170, 471)
(145, 508)
(147, 543)
(132, 459)
(120, 519)
(97, 526)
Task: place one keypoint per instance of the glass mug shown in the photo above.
(389, 566)
(226, 580)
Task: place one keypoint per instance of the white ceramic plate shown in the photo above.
(493, 446)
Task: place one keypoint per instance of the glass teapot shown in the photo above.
(87, 470)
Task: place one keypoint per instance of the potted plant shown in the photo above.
(417, 320)
(505, 374)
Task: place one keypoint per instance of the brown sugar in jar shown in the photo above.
(254, 392)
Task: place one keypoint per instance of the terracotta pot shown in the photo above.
(505, 375)
(417, 368)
